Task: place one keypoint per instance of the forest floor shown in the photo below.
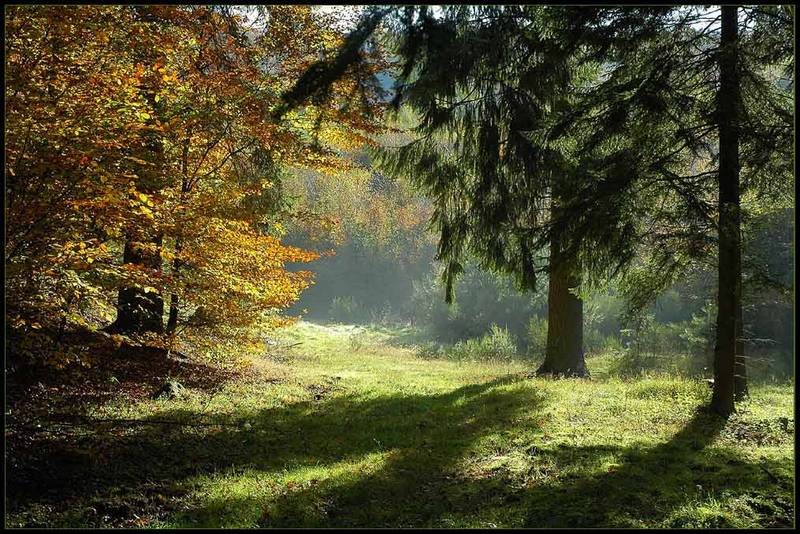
(343, 426)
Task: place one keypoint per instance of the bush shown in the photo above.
(346, 310)
(482, 299)
(769, 364)
(498, 344)
(648, 345)
(601, 315)
(385, 315)
(640, 347)
(537, 336)
(698, 332)
(595, 342)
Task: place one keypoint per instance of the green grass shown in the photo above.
(350, 429)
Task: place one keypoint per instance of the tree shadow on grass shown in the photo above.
(106, 480)
(419, 440)
(646, 487)
(419, 488)
(398, 461)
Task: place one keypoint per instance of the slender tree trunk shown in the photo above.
(564, 355)
(172, 321)
(740, 390)
(730, 271)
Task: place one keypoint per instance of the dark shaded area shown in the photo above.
(140, 310)
(111, 371)
(53, 451)
(649, 484)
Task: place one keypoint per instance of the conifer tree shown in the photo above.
(482, 154)
(645, 155)
(712, 91)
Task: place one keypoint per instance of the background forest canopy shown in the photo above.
(158, 190)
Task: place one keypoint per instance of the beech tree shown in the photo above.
(142, 161)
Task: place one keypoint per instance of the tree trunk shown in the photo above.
(564, 355)
(172, 321)
(740, 390)
(139, 311)
(730, 271)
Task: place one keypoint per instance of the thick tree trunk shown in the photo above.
(564, 355)
(139, 311)
(730, 271)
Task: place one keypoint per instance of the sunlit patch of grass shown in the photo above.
(355, 430)
(250, 498)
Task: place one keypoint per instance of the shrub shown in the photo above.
(346, 310)
(498, 344)
(595, 342)
(601, 315)
(356, 340)
(482, 298)
(385, 315)
(537, 336)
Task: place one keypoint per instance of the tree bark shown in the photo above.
(740, 390)
(730, 270)
(172, 321)
(564, 355)
(139, 311)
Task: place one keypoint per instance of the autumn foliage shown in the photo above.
(141, 156)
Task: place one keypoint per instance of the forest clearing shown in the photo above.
(446, 266)
(351, 429)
